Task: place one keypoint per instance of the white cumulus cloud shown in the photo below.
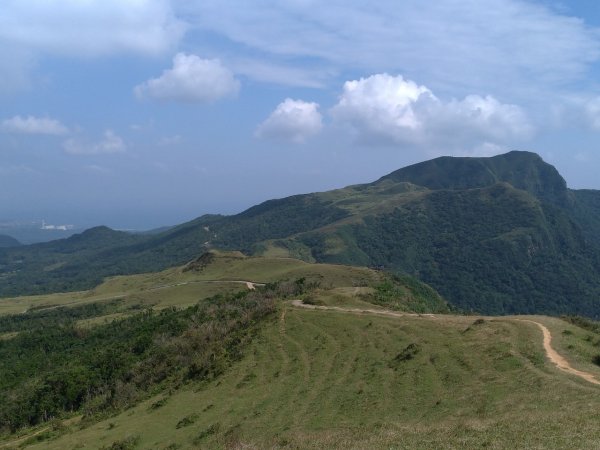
(390, 109)
(383, 105)
(292, 120)
(191, 79)
(34, 125)
(110, 143)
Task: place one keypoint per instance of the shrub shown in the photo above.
(410, 352)
(124, 444)
(159, 403)
(49, 368)
(213, 429)
(187, 421)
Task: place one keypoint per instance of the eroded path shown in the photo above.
(21, 440)
(556, 358)
(379, 312)
(249, 284)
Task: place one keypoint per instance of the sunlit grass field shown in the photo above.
(323, 379)
(178, 287)
(329, 379)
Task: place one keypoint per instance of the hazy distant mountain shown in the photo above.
(31, 232)
(496, 235)
(8, 241)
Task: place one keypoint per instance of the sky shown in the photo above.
(141, 113)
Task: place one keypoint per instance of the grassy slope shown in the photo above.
(226, 273)
(175, 287)
(320, 379)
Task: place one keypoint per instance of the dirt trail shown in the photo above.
(380, 312)
(554, 357)
(22, 439)
(557, 359)
(19, 441)
(249, 284)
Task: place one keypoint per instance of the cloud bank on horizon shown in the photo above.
(320, 94)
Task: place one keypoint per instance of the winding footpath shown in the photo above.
(557, 359)
(22, 439)
(379, 312)
(249, 284)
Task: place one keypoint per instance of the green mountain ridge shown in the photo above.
(496, 235)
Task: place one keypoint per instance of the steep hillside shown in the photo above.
(586, 210)
(497, 235)
(492, 249)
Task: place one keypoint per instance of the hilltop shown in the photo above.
(497, 235)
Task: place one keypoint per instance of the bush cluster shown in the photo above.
(54, 366)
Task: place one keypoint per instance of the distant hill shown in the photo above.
(496, 235)
(35, 231)
(8, 241)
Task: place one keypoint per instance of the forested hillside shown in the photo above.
(495, 235)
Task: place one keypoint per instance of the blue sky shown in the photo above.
(142, 113)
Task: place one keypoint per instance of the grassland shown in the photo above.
(321, 379)
(330, 379)
(182, 286)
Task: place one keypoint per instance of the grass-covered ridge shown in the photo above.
(325, 379)
(185, 285)
(97, 352)
(252, 369)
